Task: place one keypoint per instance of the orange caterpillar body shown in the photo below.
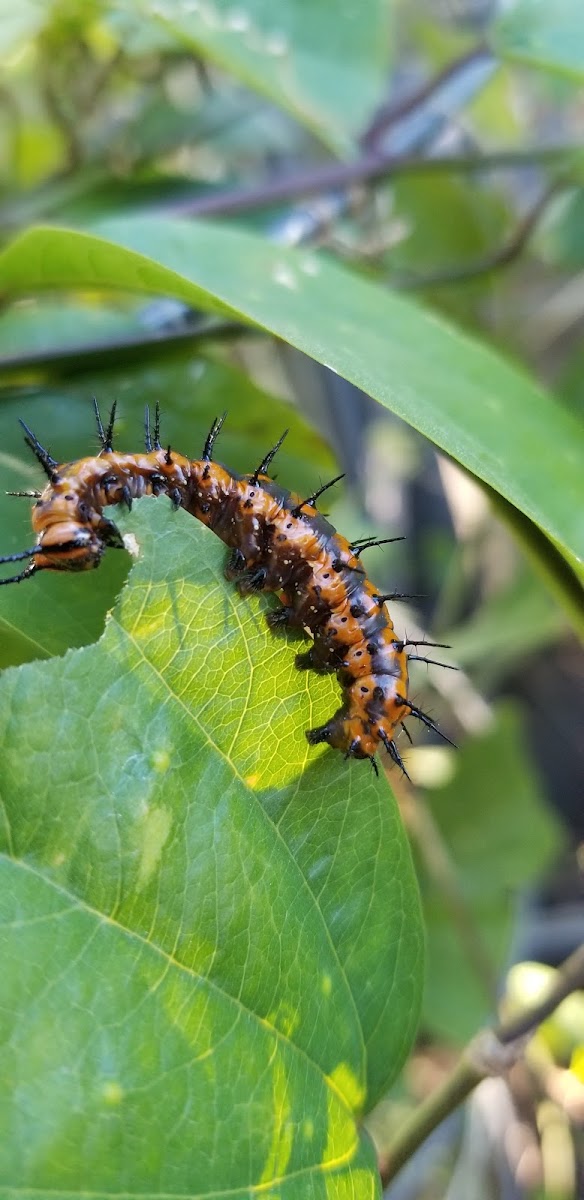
(278, 543)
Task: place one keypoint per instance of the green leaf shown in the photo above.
(545, 34)
(19, 22)
(23, 20)
(561, 238)
(571, 382)
(483, 411)
(499, 836)
(211, 942)
(450, 226)
(510, 625)
(37, 329)
(325, 63)
(54, 611)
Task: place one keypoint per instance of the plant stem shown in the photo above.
(569, 978)
(366, 168)
(491, 1052)
(428, 1116)
(503, 256)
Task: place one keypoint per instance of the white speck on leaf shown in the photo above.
(283, 275)
(277, 44)
(131, 545)
(237, 21)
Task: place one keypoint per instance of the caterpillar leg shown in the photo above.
(310, 660)
(335, 734)
(252, 581)
(111, 535)
(236, 563)
(305, 661)
(279, 619)
(352, 753)
(248, 579)
(321, 733)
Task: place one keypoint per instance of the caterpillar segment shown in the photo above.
(278, 543)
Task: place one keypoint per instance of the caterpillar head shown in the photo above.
(65, 546)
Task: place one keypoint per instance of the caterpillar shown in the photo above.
(278, 543)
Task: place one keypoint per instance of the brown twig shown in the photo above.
(569, 978)
(365, 169)
(501, 257)
(393, 111)
(217, 327)
(491, 1052)
(57, 108)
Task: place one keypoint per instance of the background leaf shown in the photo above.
(548, 35)
(323, 62)
(483, 411)
(20, 23)
(500, 837)
(228, 919)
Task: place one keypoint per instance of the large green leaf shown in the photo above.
(324, 62)
(211, 942)
(545, 33)
(484, 411)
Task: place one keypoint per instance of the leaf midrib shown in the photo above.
(77, 903)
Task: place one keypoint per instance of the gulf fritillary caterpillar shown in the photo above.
(278, 543)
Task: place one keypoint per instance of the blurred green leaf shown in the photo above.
(560, 240)
(544, 33)
(571, 384)
(483, 411)
(450, 224)
(53, 612)
(22, 20)
(19, 22)
(325, 63)
(517, 621)
(211, 938)
(47, 326)
(499, 836)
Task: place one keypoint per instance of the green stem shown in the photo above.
(491, 1052)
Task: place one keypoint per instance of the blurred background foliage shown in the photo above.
(121, 108)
